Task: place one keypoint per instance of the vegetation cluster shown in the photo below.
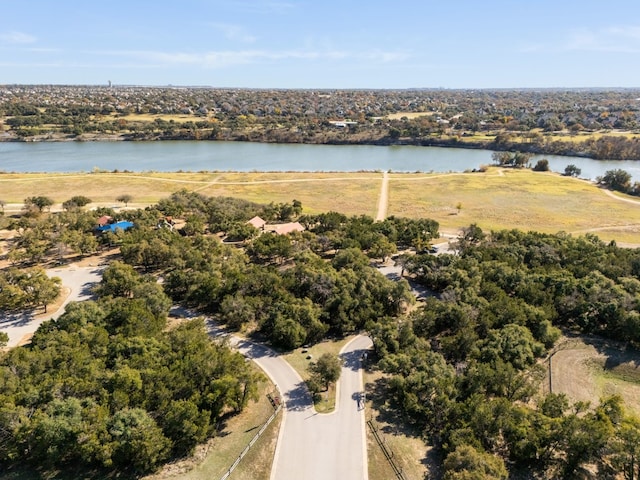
(464, 365)
(108, 388)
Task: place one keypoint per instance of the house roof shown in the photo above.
(257, 222)
(112, 227)
(103, 220)
(285, 228)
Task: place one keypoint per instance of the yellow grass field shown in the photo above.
(497, 199)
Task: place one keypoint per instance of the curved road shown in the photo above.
(80, 281)
(311, 446)
(314, 446)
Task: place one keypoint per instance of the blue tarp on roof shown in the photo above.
(112, 227)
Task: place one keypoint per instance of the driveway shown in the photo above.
(80, 281)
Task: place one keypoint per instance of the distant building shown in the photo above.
(284, 228)
(279, 228)
(104, 220)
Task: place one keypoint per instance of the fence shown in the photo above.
(387, 453)
(253, 440)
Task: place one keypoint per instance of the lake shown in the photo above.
(172, 156)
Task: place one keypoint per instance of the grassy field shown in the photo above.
(521, 199)
(588, 369)
(409, 115)
(497, 199)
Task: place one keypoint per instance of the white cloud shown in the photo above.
(220, 59)
(621, 39)
(17, 38)
(234, 32)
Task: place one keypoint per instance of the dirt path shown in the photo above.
(586, 371)
(609, 193)
(383, 201)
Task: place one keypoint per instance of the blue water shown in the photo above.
(171, 156)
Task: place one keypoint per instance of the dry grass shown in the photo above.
(409, 115)
(521, 199)
(150, 117)
(588, 369)
(497, 199)
(353, 193)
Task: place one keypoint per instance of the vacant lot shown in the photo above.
(588, 369)
(521, 199)
(497, 199)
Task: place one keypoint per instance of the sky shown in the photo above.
(322, 43)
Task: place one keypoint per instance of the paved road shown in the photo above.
(79, 280)
(314, 446)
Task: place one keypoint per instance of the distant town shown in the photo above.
(597, 123)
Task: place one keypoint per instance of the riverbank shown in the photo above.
(601, 147)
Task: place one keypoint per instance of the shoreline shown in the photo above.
(381, 142)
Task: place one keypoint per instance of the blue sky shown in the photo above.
(322, 43)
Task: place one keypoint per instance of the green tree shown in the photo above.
(270, 247)
(42, 289)
(541, 165)
(327, 369)
(572, 171)
(625, 448)
(617, 179)
(124, 198)
(118, 280)
(382, 248)
(4, 339)
(138, 440)
(38, 203)
(77, 201)
(468, 463)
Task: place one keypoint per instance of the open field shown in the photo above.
(522, 199)
(409, 115)
(354, 193)
(588, 369)
(497, 199)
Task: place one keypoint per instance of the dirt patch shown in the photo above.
(588, 369)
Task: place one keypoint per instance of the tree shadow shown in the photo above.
(391, 418)
(616, 353)
(353, 360)
(16, 319)
(299, 398)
